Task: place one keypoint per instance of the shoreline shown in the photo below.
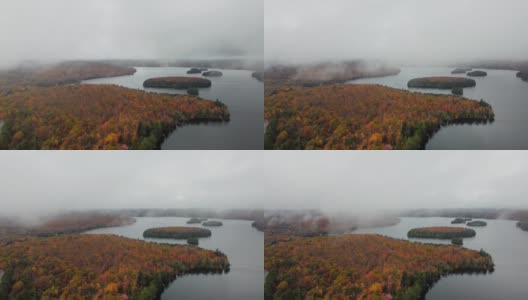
(421, 132)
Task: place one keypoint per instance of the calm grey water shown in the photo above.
(506, 93)
(243, 245)
(502, 239)
(243, 94)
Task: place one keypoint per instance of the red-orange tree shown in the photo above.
(62, 73)
(97, 117)
(97, 267)
(359, 266)
(354, 116)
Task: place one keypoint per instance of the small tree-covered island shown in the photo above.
(457, 241)
(193, 241)
(176, 232)
(196, 220)
(196, 70)
(98, 267)
(522, 75)
(477, 223)
(362, 266)
(477, 74)
(177, 82)
(441, 82)
(441, 232)
(460, 220)
(523, 225)
(212, 223)
(457, 91)
(212, 74)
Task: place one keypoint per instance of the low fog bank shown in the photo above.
(329, 72)
(333, 182)
(406, 32)
(51, 31)
(37, 219)
(316, 222)
(26, 67)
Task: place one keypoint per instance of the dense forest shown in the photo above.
(523, 225)
(78, 222)
(281, 225)
(362, 267)
(177, 82)
(212, 74)
(361, 117)
(260, 225)
(477, 73)
(65, 223)
(460, 220)
(97, 117)
(457, 241)
(97, 267)
(441, 82)
(477, 223)
(522, 75)
(176, 232)
(441, 232)
(212, 223)
(62, 73)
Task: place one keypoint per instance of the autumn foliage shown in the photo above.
(62, 73)
(78, 222)
(362, 116)
(359, 266)
(66, 223)
(98, 267)
(97, 117)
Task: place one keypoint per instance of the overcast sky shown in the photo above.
(402, 31)
(101, 29)
(33, 182)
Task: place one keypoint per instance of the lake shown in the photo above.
(505, 242)
(243, 245)
(243, 94)
(501, 88)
